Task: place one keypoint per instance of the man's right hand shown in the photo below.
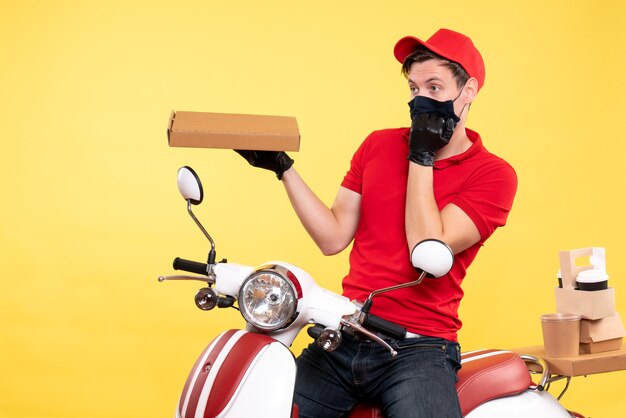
(429, 133)
(276, 161)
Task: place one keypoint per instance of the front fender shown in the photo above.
(240, 374)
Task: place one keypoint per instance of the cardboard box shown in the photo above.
(233, 131)
(581, 365)
(590, 305)
(601, 346)
(601, 335)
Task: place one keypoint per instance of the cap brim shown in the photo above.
(407, 45)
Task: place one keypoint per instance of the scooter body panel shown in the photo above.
(530, 403)
(240, 374)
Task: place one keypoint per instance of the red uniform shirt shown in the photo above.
(478, 182)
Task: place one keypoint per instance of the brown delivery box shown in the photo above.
(233, 131)
(601, 335)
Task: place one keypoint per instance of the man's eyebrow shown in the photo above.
(430, 80)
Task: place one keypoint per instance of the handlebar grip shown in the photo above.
(190, 266)
(315, 331)
(375, 323)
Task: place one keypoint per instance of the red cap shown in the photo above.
(450, 45)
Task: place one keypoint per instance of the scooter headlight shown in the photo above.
(268, 298)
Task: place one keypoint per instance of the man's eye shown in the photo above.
(434, 88)
(413, 89)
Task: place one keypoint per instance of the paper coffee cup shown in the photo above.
(561, 334)
(591, 280)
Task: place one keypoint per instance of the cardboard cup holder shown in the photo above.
(590, 305)
(584, 289)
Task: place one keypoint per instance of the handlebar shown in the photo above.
(190, 266)
(371, 326)
(391, 329)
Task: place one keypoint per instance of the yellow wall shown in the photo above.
(91, 214)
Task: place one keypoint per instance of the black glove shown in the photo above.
(429, 133)
(276, 161)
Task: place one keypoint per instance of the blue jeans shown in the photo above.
(419, 382)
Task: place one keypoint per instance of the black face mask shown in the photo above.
(422, 104)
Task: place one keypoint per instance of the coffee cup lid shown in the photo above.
(560, 317)
(592, 276)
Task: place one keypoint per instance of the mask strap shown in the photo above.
(459, 95)
(461, 92)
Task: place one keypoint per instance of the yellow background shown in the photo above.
(91, 214)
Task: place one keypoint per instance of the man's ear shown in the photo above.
(471, 89)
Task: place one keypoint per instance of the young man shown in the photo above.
(433, 180)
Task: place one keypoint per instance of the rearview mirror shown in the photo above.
(432, 256)
(189, 185)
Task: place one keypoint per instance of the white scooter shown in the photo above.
(252, 372)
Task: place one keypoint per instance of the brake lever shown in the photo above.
(204, 279)
(359, 328)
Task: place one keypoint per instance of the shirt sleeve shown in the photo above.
(353, 180)
(488, 197)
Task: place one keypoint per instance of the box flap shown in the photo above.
(602, 329)
(170, 124)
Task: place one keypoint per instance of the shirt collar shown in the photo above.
(477, 146)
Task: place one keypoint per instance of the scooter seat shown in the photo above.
(490, 374)
(485, 375)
